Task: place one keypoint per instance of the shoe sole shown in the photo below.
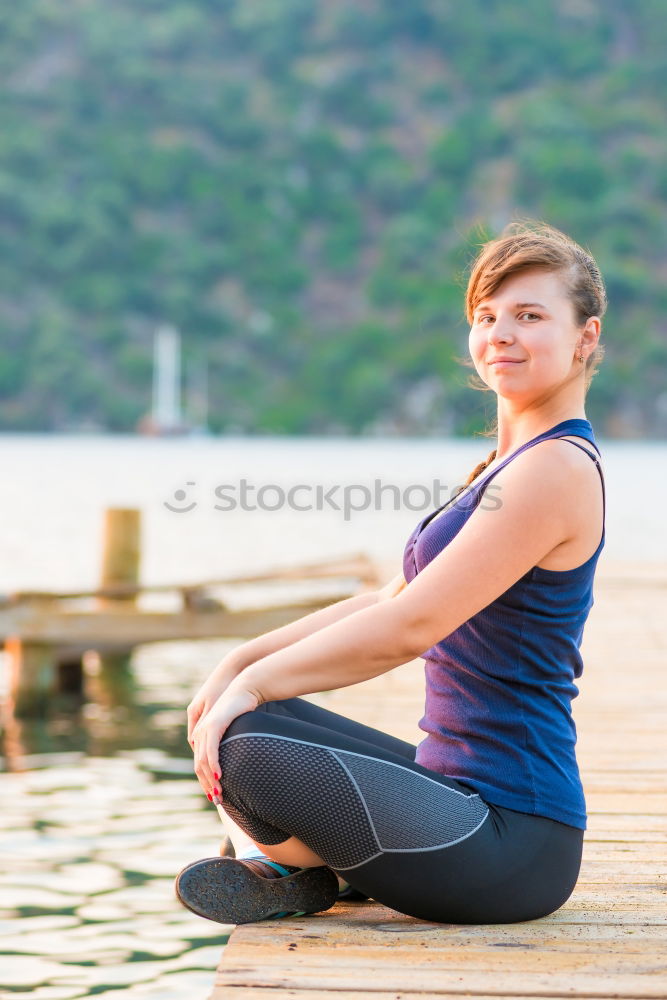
(349, 895)
(226, 890)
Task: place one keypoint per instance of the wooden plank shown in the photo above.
(644, 782)
(384, 928)
(610, 869)
(626, 802)
(626, 823)
(359, 566)
(269, 993)
(624, 914)
(118, 628)
(612, 851)
(471, 975)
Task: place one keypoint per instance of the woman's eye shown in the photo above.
(487, 318)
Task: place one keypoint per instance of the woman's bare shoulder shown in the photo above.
(568, 485)
(542, 478)
(554, 463)
(574, 460)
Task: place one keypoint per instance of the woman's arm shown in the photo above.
(495, 548)
(261, 646)
(270, 642)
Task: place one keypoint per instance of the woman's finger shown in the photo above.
(208, 736)
(212, 733)
(209, 731)
(200, 767)
(194, 736)
(213, 763)
(197, 751)
(204, 773)
(194, 715)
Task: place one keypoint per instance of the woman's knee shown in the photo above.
(245, 751)
(257, 721)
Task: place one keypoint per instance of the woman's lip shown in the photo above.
(505, 362)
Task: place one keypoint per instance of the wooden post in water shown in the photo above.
(121, 553)
(121, 557)
(31, 680)
(41, 670)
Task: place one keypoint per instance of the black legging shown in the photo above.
(417, 841)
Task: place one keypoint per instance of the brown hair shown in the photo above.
(526, 244)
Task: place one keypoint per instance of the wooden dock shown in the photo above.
(610, 937)
(47, 635)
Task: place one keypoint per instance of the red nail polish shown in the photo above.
(209, 797)
(217, 777)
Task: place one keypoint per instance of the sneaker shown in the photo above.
(346, 895)
(241, 892)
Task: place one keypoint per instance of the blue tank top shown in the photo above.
(499, 688)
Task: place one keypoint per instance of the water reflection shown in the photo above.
(100, 810)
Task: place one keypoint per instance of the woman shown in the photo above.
(483, 822)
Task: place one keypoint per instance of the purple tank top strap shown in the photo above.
(560, 430)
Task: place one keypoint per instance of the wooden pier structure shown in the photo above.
(47, 635)
(610, 937)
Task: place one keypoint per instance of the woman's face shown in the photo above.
(530, 320)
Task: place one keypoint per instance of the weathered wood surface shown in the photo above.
(121, 554)
(123, 629)
(359, 566)
(59, 619)
(610, 937)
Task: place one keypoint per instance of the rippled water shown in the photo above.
(99, 813)
(100, 808)
(92, 845)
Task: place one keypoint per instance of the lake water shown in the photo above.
(100, 805)
(56, 487)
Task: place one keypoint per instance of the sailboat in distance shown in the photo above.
(166, 418)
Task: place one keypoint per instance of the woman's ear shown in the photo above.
(591, 332)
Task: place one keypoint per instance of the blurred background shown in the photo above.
(298, 187)
(234, 240)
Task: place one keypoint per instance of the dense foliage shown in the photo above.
(299, 186)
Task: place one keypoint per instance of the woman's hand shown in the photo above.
(210, 729)
(208, 694)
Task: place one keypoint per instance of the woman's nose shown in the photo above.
(501, 331)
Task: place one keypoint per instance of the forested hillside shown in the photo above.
(298, 186)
